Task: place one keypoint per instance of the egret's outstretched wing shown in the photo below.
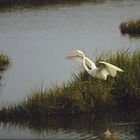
(75, 57)
(107, 69)
(108, 65)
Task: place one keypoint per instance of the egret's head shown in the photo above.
(77, 52)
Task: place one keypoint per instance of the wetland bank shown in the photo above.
(37, 41)
(85, 94)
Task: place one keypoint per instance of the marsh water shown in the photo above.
(85, 128)
(38, 39)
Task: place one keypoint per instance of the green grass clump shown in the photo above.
(131, 27)
(4, 63)
(85, 94)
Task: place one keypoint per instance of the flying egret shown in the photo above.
(102, 72)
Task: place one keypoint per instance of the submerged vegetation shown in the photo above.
(85, 94)
(131, 27)
(4, 63)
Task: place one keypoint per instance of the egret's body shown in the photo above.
(102, 72)
(110, 136)
(107, 134)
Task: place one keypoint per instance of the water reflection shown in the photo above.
(2, 83)
(133, 37)
(70, 127)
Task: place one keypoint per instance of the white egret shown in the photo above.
(107, 133)
(110, 136)
(102, 72)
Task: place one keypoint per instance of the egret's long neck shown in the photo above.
(92, 65)
(82, 54)
(84, 63)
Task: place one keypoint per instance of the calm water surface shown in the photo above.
(37, 40)
(84, 127)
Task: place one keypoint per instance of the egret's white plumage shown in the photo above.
(107, 133)
(102, 72)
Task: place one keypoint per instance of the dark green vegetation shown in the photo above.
(131, 27)
(4, 4)
(4, 63)
(85, 94)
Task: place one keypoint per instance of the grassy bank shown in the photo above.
(4, 63)
(85, 94)
(131, 27)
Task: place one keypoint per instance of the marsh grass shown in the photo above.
(131, 27)
(85, 94)
(4, 63)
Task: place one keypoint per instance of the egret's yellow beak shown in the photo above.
(73, 52)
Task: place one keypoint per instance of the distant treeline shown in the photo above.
(26, 3)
